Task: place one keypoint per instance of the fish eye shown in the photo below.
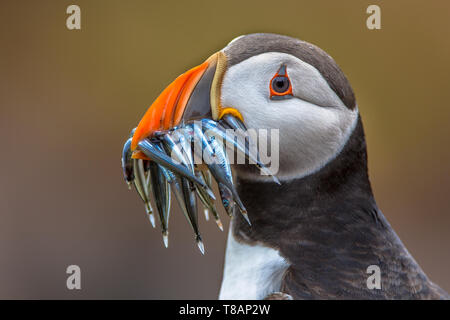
(280, 85)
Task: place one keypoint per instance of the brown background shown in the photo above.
(68, 99)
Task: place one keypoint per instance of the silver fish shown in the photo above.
(146, 167)
(233, 122)
(230, 141)
(161, 194)
(183, 188)
(190, 201)
(140, 183)
(207, 203)
(175, 149)
(163, 159)
(182, 138)
(207, 176)
(127, 164)
(227, 199)
(215, 158)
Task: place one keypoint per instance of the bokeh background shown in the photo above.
(68, 99)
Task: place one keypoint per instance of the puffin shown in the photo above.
(315, 231)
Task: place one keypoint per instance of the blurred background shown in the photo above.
(68, 100)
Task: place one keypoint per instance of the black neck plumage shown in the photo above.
(327, 225)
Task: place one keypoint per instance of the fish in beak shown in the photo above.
(186, 109)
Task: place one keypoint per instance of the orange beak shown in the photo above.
(193, 95)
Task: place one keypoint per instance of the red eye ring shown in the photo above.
(280, 85)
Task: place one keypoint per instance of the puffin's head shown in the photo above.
(270, 82)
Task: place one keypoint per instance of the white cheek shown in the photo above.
(309, 135)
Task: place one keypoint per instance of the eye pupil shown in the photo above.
(280, 84)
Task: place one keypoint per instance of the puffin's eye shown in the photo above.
(280, 85)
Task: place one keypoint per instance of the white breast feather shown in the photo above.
(251, 272)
